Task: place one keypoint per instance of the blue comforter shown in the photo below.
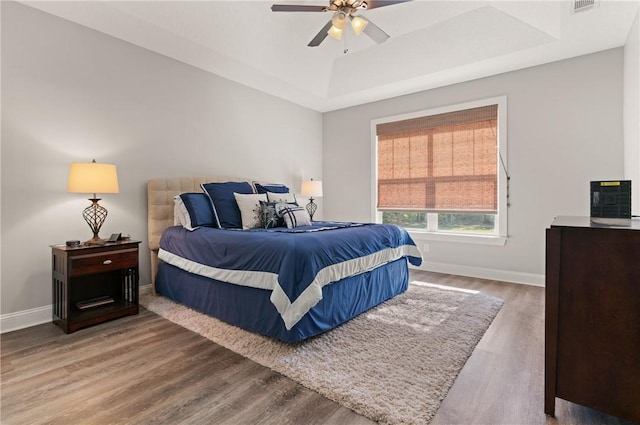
(294, 264)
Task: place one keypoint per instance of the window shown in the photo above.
(443, 170)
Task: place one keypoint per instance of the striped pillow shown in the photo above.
(294, 216)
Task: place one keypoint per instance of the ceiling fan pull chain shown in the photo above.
(346, 43)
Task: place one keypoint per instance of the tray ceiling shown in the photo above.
(432, 44)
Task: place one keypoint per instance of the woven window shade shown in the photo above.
(444, 163)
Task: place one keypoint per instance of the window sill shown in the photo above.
(422, 235)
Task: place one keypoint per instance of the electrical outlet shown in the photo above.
(425, 247)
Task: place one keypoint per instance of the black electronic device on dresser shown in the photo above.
(611, 199)
(94, 283)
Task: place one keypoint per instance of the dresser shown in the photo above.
(592, 315)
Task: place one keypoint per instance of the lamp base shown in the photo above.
(311, 208)
(95, 241)
(95, 215)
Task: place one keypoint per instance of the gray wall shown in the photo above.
(632, 112)
(71, 94)
(564, 129)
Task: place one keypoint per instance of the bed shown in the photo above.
(285, 283)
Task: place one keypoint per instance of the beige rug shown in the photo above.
(393, 364)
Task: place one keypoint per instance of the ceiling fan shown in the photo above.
(343, 13)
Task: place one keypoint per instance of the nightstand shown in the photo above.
(94, 283)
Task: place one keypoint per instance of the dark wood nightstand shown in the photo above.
(94, 283)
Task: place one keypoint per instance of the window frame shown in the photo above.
(503, 202)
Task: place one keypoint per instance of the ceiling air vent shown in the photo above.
(580, 5)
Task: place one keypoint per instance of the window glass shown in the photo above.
(440, 170)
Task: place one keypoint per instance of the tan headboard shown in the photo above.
(160, 193)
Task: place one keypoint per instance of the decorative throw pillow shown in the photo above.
(250, 209)
(294, 216)
(288, 198)
(193, 210)
(225, 208)
(271, 187)
(269, 216)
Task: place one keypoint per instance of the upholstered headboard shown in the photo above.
(160, 193)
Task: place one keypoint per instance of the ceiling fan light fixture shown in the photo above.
(358, 24)
(339, 19)
(335, 32)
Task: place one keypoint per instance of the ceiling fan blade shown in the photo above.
(373, 3)
(296, 8)
(375, 33)
(319, 38)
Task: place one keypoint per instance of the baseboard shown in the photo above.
(37, 316)
(25, 318)
(145, 289)
(483, 273)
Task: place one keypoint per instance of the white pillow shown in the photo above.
(287, 198)
(250, 211)
(180, 213)
(293, 215)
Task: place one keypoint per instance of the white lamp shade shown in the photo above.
(339, 20)
(359, 24)
(335, 32)
(91, 177)
(311, 188)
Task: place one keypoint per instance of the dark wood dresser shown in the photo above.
(592, 315)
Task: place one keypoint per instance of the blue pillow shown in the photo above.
(275, 188)
(225, 208)
(199, 209)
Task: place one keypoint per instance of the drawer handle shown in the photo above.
(105, 262)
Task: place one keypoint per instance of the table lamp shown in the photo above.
(311, 188)
(93, 178)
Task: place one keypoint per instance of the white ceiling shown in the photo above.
(432, 44)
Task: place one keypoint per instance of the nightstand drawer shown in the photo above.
(103, 262)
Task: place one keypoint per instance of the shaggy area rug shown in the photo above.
(393, 364)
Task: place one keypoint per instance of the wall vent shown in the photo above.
(580, 5)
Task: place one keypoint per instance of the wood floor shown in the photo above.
(145, 370)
